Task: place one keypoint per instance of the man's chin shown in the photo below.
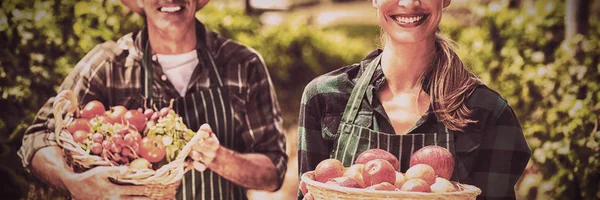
(177, 25)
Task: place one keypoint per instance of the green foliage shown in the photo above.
(41, 42)
(552, 84)
(294, 52)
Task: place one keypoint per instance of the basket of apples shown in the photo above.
(375, 175)
(153, 143)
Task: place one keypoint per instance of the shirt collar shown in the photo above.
(137, 40)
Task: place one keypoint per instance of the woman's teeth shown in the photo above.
(170, 9)
(408, 20)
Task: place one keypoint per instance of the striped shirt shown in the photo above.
(491, 154)
(112, 73)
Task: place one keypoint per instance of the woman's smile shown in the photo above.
(409, 20)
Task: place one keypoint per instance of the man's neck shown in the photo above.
(172, 41)
(404, 64)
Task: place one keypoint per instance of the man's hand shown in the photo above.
(205, 150)
(94, 184)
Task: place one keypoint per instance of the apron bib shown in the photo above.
(211, 106)
(353, 138)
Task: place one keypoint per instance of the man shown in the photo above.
(214, 81)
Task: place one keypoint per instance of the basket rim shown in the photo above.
(468, 189)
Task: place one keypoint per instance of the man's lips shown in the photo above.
(170, 9)
(409, 18)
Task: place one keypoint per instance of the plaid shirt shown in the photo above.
(111, 73)
(492, 153)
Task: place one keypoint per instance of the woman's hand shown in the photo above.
(205, 150)
(94, 184)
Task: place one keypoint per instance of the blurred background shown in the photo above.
(542, 56)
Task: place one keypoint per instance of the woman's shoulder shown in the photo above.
(341, 80)
(488, 107)
(485, 98)
(336, 81)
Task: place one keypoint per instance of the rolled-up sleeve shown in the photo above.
(313, 144)
(263, 117)
(86, 81)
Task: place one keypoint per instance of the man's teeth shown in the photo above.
(408, 20)
(170, 9)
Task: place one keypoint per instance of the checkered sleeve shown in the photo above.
(502, 155)
(263, 117)
(313, 147)
(85, 80)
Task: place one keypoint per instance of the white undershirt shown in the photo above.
(179, 68)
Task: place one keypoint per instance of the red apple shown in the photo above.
(421, 171)
(327, 169)
(378, 171)
(92, 109)
(79, 136)
(373, 154)
(115, 115)
(355, 172)
(439, 158)
(415, 185)
(344, 182)
(399, 180)
(442, 185)
(385, 186)
(136, 119)
(79, 124)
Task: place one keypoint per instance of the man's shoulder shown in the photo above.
(228, 49)
(106, 52)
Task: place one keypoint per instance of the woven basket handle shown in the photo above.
(65, 102)
(188, 147)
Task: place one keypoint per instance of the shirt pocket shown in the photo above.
(466, 146)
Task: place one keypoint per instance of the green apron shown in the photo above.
(353, 138)
(212, 106)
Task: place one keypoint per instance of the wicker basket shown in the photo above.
(330, 192)
(161, 184)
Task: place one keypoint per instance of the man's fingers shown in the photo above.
(206, 127)
(195, 155)
(199, 166)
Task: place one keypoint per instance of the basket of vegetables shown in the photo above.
(153, 143)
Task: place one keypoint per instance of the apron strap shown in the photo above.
(147, 65)
(147, 76)
(209, 61)
(358, 93)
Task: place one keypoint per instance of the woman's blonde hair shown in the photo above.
(448, 83)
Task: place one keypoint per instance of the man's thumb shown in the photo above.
(205, 127)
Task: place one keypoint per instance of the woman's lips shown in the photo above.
(409, 20)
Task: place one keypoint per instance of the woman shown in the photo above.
(415, 92)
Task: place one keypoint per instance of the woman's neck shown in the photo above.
(404, 64)
(172, 41)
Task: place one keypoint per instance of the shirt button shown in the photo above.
(154, 58)
(163, 77)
